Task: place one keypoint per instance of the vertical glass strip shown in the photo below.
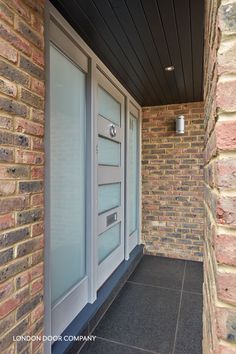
(133, 173)
(67, 173)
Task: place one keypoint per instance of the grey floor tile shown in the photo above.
(193, 277)
(159, 271)
(189, 335)
(142, 316)
(105, 347)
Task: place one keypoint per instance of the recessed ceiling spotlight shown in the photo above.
(169, 68)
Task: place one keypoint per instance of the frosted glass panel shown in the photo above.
(108, 107)
(67, 173)
(108, 241)
(133, 173)
(108, 152)
(108, 197)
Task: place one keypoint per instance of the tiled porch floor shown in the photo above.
(159, 310)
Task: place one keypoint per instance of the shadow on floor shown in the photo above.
(159, 310)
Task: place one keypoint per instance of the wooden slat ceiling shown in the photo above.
(137, 39)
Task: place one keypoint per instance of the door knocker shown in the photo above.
(112, 130)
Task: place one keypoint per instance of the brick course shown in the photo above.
(219, 314)
(172, 172)
(21, 173)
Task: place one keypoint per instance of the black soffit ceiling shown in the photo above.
(137, 39)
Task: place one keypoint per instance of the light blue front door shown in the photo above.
(110, 172)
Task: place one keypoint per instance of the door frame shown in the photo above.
(94, 63)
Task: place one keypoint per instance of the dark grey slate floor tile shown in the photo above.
(105, 347)
(193, 277)
(142, 316)
(189, 335)
(159, 271)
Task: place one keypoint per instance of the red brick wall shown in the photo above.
(219, 315)
(21, 172)
(172, 172)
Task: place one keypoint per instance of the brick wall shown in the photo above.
(219, 334)
(172, 172)
(21, 173)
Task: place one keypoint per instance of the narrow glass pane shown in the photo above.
(108, 241)
(133, 173)
(108, 152)
(108, 197)
(108, 107)
(67, 173)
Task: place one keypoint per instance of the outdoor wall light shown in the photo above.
(179, 124)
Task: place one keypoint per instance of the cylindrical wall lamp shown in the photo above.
(179, 123)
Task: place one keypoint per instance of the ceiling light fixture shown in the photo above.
(169, 68)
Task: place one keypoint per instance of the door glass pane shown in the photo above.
(133, 173)
(108, 241)
(108, 152)
(67, 173)
(108, 197)
(108, 107)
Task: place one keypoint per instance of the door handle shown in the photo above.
(112, 131)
